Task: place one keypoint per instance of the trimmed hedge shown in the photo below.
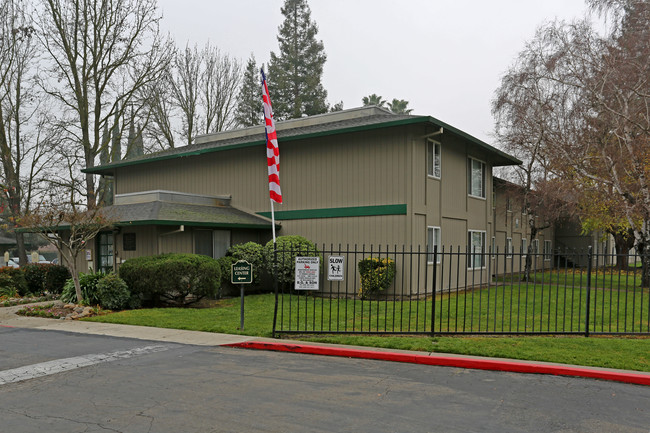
(376, 275)
(113, 293)
(176, 279)
(42, 277)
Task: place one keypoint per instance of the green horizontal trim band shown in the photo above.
(338, 212)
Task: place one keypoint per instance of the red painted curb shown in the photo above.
(452, 361)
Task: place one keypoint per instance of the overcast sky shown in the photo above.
(445, 57)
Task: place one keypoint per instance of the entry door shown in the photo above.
(105, 256)
(220, 242)
(212, 243)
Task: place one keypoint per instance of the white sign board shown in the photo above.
(335, 268)
(307, 273)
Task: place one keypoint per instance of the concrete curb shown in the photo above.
(453, 361)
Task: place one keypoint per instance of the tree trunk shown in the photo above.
(20, 245)
(624, 243)
(75, 279)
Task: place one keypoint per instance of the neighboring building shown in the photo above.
(512, 235)
(357, 177)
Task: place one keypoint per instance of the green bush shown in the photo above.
(227, 288)
(289, 247)
(376, 275)
(55, 278)
(88, 283)
(35, 277)
(18, 279)
(7, 288)
(113, 293)
(176, 279)
(43, 277)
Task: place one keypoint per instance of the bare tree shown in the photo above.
(70, 227)
(101, 52)
(596, 91)
(25, 136)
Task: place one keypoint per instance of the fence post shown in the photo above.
(588, 300)
(275, 277)
(433, 295)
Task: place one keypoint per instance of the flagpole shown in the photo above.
(273, 221)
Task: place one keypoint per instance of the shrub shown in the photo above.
(88, 283)
(289, 247)
(55, 278)
(177, 279)
(35, 277)
(112, 292)
(7, 288)
(376, 274)
(226, 287)
(17, 277)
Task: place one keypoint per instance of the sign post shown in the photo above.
(241, 273)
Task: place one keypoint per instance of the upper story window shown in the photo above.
(475, 178)
(433, 159)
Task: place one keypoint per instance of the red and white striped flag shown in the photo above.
(272, 150)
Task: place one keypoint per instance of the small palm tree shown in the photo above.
(373, 99)
(398, 106)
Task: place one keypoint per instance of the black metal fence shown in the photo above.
(459, 291)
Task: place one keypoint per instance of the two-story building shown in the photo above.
(363, 176)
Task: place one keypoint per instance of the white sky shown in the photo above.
(445, 57)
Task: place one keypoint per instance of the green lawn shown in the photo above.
(619, 352)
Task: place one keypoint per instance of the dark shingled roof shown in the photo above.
(169, 213)
(326, 124)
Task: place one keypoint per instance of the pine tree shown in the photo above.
(249, 101)
(295, 74)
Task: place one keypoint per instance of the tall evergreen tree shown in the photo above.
(295, 74)
(249, 101)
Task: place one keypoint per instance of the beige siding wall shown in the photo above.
(359, 169)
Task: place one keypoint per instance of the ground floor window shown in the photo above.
(433, 240)
(548, 250)
(476, 243)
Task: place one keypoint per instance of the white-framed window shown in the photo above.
(508, 247)
(535, 245)
(548, 250)
(476, 243)
(434, 159)
(524, 245)
(433, 240)
(475, 178)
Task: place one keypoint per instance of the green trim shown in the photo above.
(192, 224)
(109, 168)
(339, 212)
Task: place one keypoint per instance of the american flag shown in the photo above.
(272, 150)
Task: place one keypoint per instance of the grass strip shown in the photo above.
(223, 317)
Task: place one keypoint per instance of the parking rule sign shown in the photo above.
(307, 272)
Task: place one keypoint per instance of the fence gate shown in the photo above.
(458, 291)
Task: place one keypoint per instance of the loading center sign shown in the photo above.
(307, 273)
